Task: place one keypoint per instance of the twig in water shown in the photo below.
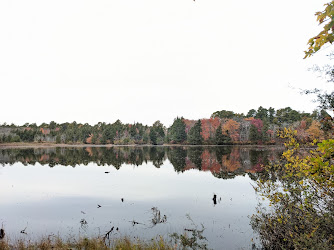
(107, 235)
(136, 223)
(24, 231)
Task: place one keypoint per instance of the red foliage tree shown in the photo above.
(258, 123)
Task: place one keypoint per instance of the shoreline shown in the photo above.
(64, 145)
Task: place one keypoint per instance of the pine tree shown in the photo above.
(94, 139)
(253, 133)
(153, 136)
(265, 128)
(194, 135)
(58, 139)
(222, 139)
(177, 131)
(219, 138)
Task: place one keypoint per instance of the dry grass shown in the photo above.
(86, 244)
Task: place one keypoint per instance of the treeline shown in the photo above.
(222, 128)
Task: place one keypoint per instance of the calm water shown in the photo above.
(75, 192)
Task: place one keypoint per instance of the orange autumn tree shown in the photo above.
(314, 131)
(231, 127)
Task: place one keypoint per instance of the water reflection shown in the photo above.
(223, 162)
(105, 193)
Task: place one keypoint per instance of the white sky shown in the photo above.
(148, 60)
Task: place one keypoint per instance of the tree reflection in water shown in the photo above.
(223, 162)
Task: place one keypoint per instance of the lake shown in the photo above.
(140, 191)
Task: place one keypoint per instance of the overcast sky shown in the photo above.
(148, 60)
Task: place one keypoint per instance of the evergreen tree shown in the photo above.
(145, 138)
(58, 139)
(222, 139)
(153, 136)
(287, 115)
(94, 138)
(159, 130)
(251, 113)
(178, 131)
(103, 138)
(265, 128)
(194, 135)
(271, 114)
(254, 133)
(262, 113)
(52, 125)
(219, 138)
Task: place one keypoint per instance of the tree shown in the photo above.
(52, 125)
(219, 139)
(251, 113)
(145, 138)
(157, 131)
(231, 128)
(132, 130)
(177, 132)
(222, 139)
(271, 114)
(256, 130)
(15, 138)
(300, 191)
(209, 127)
(287, 115)
(153, 136)
(103, 139)
(262, 113)
(325, 99)
(194, 135)
(314, 131)
(159, 128)
(116, 129)
(94, 138)
(223, 114)
(58, 139)
(254, 134)
(326, 35)
(265, 128)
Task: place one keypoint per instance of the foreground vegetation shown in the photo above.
(300, 191)
(300, 188)
(87, 244)
(192, 238)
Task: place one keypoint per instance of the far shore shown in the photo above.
(81, 145)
